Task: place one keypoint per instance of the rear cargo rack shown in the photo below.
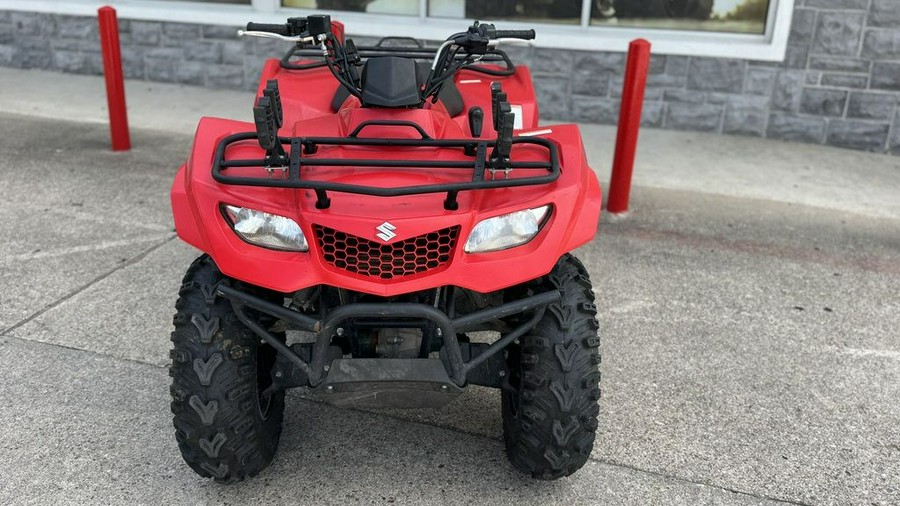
(484, 164)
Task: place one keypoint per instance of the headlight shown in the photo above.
(507, 231)
(266, 230)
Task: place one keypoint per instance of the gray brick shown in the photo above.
(220, 32)
(6, 56)
(845, 80)
(788, 89)
(145, 33)
(886, 76)
(652, 114)
(25, 58)
(871, 105)
(678, 65)
(700, 117)
(666, 81)
(759, 81)
(73, 27)
(252, 72)
(27, 23)
(203, 51)
(595, 110)
(94, 63)
(90, 46)
(813, 78)
(164, 53)
(650, 93)
(591, 84)
(716, 74)
(270, 48)
(839, 63)
(823, 102)
(553, 61)
(657, 64)
(882, 44)
(858, 135)
(796, 57)
(70, 61)
(553, 97)
(803, 26)
(7, 34)
(746, 115)
(65, 44)
(838, 32)
(895, 135)
(181, 31)
(190, 72)
(159, 69)
(596, 63)
(684, 96)
(884, 13)
(233, 51)
(133, 62)
(520, 55)
(795, 128)
(860, 5)
(224, 76)
(37, 43)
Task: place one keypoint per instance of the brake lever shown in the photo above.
(270, 35)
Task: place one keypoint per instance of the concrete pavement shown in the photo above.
(751, 353)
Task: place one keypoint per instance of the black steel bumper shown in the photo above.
(460, 363)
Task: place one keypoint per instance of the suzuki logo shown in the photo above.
(385, 231)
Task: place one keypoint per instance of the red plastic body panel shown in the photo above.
(307, 94)
(197, 197)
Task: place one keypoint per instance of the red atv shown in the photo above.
(390, 229)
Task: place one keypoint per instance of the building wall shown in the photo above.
(839, 83)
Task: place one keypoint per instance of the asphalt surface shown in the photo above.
(750, 355)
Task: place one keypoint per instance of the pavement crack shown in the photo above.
(600, 461)
(131, 261)
(89, 352)
(700, 483)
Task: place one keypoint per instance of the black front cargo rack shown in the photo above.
(483, 154)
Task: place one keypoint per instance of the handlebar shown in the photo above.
(514, 34)
(342, 58)
(278, 29)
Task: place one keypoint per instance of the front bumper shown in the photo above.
(323, 369)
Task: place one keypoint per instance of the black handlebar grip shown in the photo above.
(515, 34)
(267, 27)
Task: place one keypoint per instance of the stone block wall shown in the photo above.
(839, 84)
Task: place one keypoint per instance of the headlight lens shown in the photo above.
(266, 230)
(507, 231)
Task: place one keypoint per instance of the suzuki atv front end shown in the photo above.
(384, 256)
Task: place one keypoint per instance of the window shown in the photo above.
(740, 16)
(402, 7)
(730, 16)
(749, 29)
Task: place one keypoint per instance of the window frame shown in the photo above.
(770, 46)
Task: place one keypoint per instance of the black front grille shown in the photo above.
(387, 261)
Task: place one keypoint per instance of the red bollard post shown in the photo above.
(115, 80)
(629, 125)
